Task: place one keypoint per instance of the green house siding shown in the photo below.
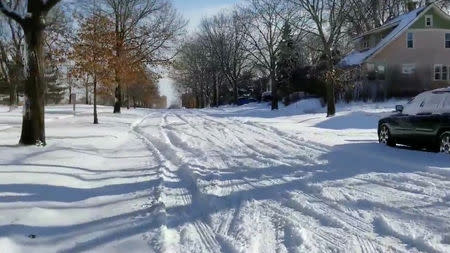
(374, 38)
(438, 21)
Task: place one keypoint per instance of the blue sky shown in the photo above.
(195, 10)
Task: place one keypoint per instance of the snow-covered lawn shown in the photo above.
(232, 179)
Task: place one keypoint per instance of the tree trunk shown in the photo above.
(70, 94)
(331, 107)
(118, 102)
(216, 94)
(118, 91)
(95, 100)
(33, 125)
(128, 98)
(86, 86)
(235, 92)
(12, 94)
(274, 91)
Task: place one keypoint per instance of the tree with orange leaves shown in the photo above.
(93, 53)
(145, 34)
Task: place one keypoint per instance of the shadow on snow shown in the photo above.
(342, 162)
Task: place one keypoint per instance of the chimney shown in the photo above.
(411, 5)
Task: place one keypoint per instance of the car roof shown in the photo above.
(443, 90)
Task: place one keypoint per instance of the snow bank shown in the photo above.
(409, 234)
(263, 110)
(9, 246)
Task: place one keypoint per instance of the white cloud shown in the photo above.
(196, 15)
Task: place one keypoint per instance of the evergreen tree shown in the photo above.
(287, 61)
(55, 91)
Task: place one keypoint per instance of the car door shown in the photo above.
(445, 112)
(400, 126)
(427, 119)
(403, 123)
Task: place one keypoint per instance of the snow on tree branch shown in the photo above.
(10, 13)
(49, 4)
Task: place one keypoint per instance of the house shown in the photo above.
(407, 55)
(189, 101)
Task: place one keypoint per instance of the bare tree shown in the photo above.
(364, 15)
(11, 52)
(145, 31)
(262, 22)
(33, 25)
(224, 37)
(326, 22)
(195, 69)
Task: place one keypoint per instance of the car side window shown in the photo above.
(446, 104)
(413, 105)
(431, 103)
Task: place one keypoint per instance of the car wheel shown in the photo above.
(445, 143)
(384, 136)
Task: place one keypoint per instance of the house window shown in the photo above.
(428, 21)
(447, 40)
(371, 73)
(365, 44)
(381, 69)
(408, 69)
(444, 73)
(437, 72)
(410, 40)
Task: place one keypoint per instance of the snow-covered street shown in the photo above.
(232, 179)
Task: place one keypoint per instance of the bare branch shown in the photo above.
(10, 13)
(50, 4)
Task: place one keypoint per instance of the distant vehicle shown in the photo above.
(246, 100)
(423, 122)
(174, 106)
(266, 96)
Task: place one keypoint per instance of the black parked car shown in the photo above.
(423, 122)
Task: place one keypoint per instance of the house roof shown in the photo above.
(401, 23)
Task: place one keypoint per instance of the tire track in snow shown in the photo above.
(179, 157)
(159, 192)
(242, 139)
(331, 238)
(287, 146)
(208, 236)
(327, 212)
(266, 130)
(224, 227)
(168, 149)
(383, 228)
(233, 142)
(351, 224)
